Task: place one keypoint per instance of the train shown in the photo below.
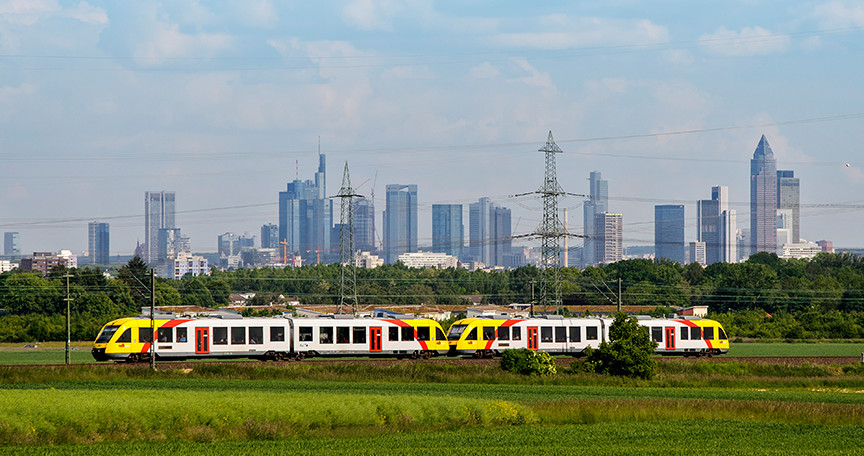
(225, 336)
(488, 337)
(229, 335)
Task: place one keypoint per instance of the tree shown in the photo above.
(135, 274)
(628, 352)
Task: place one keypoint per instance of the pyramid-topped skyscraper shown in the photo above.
(763, 199)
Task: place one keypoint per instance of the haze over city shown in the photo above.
(225, 103)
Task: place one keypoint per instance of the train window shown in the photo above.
(517, 334)
(708, 333)
(408, 333)
(504, 333)
(305, 334)
(721, 333)
(393, 334)
(456, 332)
(657, 334)
(359, 335)
(220, 336)
(423, 333)
(472, 335)
(561, 334)
(238, 335)
(546, 334)
(685, 334)
(181, 334)
(325, 335)
(145, 335)
(489, 333)
(277, 334)
(106, 334)
(591, 333)
(125, 337)
(439, 334)
(695, 333)
(256, 335)
(164, 335)
(343, 335)
(575, 334)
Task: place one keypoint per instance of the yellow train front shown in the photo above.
(129, 339)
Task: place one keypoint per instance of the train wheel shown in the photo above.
(299, 356)
(426, 354)
(134, 358)
(477, 354)
(415, 355)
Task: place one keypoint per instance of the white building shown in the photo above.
(697, 253)
(428, 260)
(801, 249)
(185, 263)
(367, 260)
(6, 265)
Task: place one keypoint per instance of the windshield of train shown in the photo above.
(106, 334)
(456, 332)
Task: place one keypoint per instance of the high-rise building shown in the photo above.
(609, 247)
(708, 229)
(11, 244)
(306, 217)
(270, 236)
(597, 204)
(763, 199)
(158, 214)
(400, 221)
(789, 198)
(669, 232)
(98, 243)
(364, 225)
(448, 232)
(697, 252)
(489, 232)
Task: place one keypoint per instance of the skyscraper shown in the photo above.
(763, 199)
(98, 243)
(708, 228)
(448, 233)
(789, 198)
(669, 232)
(609, 231)
(489, 232)
(364, 225)
(158, 214)
(597, 204)
(400, 221)
(306, 216)
(10, 243)
(270, 236)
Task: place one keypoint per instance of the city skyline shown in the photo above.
(225, 103)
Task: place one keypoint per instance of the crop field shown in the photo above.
(413, 407)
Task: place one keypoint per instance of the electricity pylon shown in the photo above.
(348, 276)
(550, 231)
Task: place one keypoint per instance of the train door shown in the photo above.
(202, 340)
(532, 338)
(670, 338)
(375, 339)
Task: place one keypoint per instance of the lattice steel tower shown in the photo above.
(348, 276)
(550, 231)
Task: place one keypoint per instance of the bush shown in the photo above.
(628, 353)
(528, 362)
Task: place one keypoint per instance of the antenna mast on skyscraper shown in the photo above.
(348, 276)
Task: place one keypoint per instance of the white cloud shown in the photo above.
(88, 14)
(483, 71)
(573, 32)
(256, 13)
(748, 42)
(167, 41)
(837, 14)
(536, 78)
(408, 72)
(28, 12)
(371, 14)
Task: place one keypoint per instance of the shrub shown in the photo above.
(528, 362)
(628, 353)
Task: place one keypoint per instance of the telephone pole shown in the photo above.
(348, 276)
(68, 320)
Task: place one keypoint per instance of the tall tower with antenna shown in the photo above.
(348, 275)
(550, 231)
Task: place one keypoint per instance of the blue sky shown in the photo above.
(223, 102)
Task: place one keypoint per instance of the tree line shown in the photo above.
(821, 297)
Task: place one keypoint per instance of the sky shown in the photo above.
(225, 102)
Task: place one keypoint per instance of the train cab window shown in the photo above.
(359, 335)
(393, 334)
(256, 335)
(238, 335)
(721, 333)
(106, 334)
(657, 334)
(277, 334)
(591, 333)
(456, 332)
(439, 334)
(325, 335)
(423, 333)
(489, 333)
(305, 334)
(145, 335)
(546, 334)
(164, 335)
(181, 335)
(504, 333)
(575, 334)
(220, 336)
(343, 335)
(695, 333)
(708, 333)
(561, 334)
(408, 333)
(517, 334)
(125, 337)
(685, 335)
(472, 335)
